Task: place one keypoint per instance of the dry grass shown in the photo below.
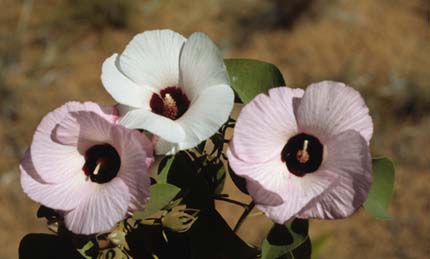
(51, 52)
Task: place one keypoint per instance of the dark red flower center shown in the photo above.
(172, 102)
(303, 154)
(102, 163)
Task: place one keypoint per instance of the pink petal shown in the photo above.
(329, 108)
(83, 129)
(265, 125)
(206, 114)
(53, 161)
(132, 147)
(105, 205)
(201, 65)
(271, 175)
(349, 159)
(151, 59)
(62, 196)
(109, 113)
(122, 88)
(262, 196)
(268, 182)
(309, 188)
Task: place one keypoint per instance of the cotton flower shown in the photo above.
(176, 88)
(305, 153)
(89, 168)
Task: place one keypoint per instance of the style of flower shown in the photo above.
(305, 153)
(176, 88)
(85, 165)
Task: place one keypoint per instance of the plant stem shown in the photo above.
(222, 198)
(244, 215)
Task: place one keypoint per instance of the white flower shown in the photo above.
(176, 88)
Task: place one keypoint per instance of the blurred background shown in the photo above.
(51, 52)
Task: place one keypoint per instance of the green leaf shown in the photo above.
(161, 195)
(162, 177)
(85, 248)
(382, 188)
(283, 240)
(251, 77)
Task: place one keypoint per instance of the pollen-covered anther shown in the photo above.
(303, 155)
(97, 169)
(170, 109)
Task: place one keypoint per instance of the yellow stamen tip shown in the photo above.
(96, 170)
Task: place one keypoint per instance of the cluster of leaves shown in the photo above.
(181, 221)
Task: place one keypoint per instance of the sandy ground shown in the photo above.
(51, 52)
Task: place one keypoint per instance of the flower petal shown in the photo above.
(83, 129)
(133, 147)
(163, 147)
(122, 88)
(307, 189)
(201, 65)
(265, 125)
(62, 196)
(161, 126)
(269, 180)
(271, 175)
(329, 108)
(261, 195)
(151, 59)
(53, 161)
(101, 210)
(348, 158)
(206, 115)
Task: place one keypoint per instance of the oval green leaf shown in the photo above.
(283, 240)
(161, 195)
(251, 77)
(382, 188)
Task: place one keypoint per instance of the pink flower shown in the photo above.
(88, 167)
(305, 153)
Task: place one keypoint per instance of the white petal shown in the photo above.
(206, 115)
(163, 147)
(103, 208)
(201, 65)
(121, 88)
(265, 125)
(329, 108)
(152, 58)
(349, 159)
(159, 125)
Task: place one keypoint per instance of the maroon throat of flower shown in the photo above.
(302, 154)
(102, 163)
(172, 102)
